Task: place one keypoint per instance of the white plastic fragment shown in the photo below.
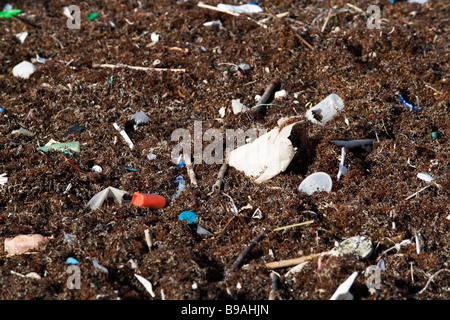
(3, 179)
(23, 131)
(238, 106)
(353, 143)
(97, 169)
(280, 94)
(215, 23)
(425, 176)
(154, 37)
(418, 247)
(266, 156)
(124, 135)
(319, 181)
(99, 267)
(7, 7)
(24, 69)
(140, 118)
(222, 112)
(257, 214)
(201, 230)
(245, 8)
(342, 169)
(147, 285)
(110, 192)
(40, 59)
(22, 36)
(67, 13)
(325, 110)
(342, 292)
(418, 1)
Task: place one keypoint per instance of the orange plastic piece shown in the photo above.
(152, 201)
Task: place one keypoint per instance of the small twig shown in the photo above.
(220, 176)
(267, 96)
(190, 169)
(274, 278)
(326, 20)
(416, 193)
(429, 281)
(247, 250)
(294, 225)
(28, 22)
(120, 65)
(303, 40)
(59, 42)
(293, 262)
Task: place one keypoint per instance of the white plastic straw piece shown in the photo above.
(147, 285)
(325, 110)
(342, 169)
(124, 135)
(353, 143)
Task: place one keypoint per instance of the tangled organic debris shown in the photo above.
(110, 192)
(23, 243)
(24, 70)
(266, 156)
(342, 292)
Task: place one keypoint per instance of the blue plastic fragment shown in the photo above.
(71, 260)
(2, 110)
(181, 164)
(99, 267)
(254, 2)
(130, 169)
(392, 1)
(407, 104)
(189, 216)
(181, 186)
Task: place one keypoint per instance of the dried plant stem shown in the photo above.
(429, 280)
(293, 262)
(293, 225)
(326, 21)
(247, 250)
(416, 193)
(303, 40)
(120, 65)
(267, 96)
(207, 6)
(220, 176)
(190, 169)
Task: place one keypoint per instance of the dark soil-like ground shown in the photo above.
(368, 68)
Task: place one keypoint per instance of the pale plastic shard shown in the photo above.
(238, 106)
(140, 118)
(418, 1)
(325, 110)
(147, 285)
(110, 192)
(222, 112)
(23, 243)
(280, 94)
(23, 131)
(245, 8)
(266, 156)
(24, 70)
(425, 176)
(201, 230)
(215, 23)
(22, 36)
(343, 291)
(3, 179)
(342, 169)
(319, 181)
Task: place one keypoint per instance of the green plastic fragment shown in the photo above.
(91, 16)
(9, 13)
(64, 147)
